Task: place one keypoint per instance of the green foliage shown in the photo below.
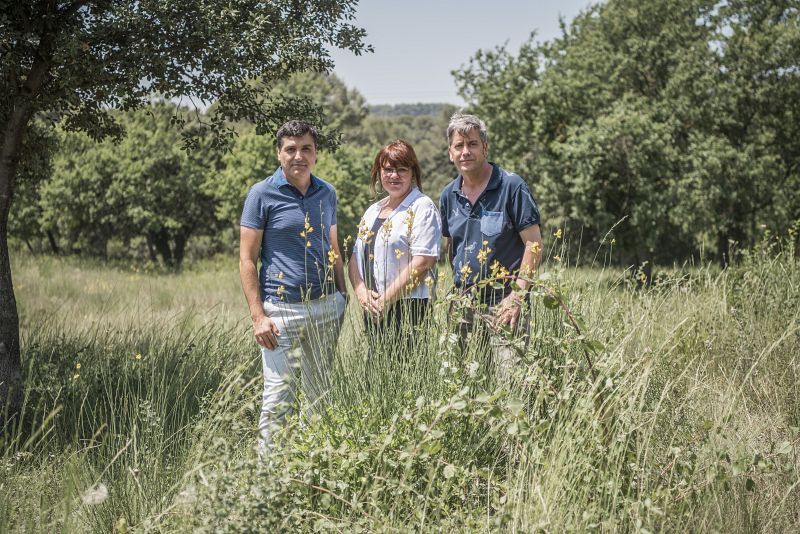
(184, 50)
(344, 108)
(252, 158)
(677, 118)
(36, 167)
(348, 170)
(144, 186)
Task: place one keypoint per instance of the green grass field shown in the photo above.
(143, 393)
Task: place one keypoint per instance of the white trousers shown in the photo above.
(309, 331)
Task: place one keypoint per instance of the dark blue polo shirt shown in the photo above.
(293, 267)
(504, 209)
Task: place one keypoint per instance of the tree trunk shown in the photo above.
(10, 363)
(15, 124)
(180, 247)
(161, 241)
(151, 250)
(723, 248)
(51, 238)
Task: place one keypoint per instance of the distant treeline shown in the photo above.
(656, 131)
(146, 197)
(409, 110)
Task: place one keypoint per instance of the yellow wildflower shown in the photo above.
(498, 270)
(399, 253)
(332, 256)
(386, 229)
(364, 231)
(535, 247)
(307, 228)
(465, 271)
(78, 365)
(557, 234)
(280, 275)
(483, 254)
(76, 376)
(557, 258)
(409, 221)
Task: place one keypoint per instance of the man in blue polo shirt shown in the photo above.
(297, 297)
(491, 223)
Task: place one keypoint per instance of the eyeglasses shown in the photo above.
(399, 171)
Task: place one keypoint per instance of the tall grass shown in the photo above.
(692, 423)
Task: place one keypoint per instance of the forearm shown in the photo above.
(532, 256)
(338, 276)
(248, 273)
(355, 276)
(409, 278)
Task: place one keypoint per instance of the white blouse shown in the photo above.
(414, 228)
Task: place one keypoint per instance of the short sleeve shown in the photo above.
(426, 231)
(443, 211)
(333, 205)
(524, 212)
(254, 213)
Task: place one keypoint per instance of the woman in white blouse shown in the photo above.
(392, 268)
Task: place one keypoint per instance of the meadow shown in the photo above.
(143, 390)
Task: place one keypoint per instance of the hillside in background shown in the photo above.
(414, 110)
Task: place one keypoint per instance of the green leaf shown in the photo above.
(550, 303)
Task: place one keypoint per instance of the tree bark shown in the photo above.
(160, 240)
(180, 247)
(10, 363)
(14, 128)
(51, 238)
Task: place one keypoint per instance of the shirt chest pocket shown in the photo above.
(491, 222)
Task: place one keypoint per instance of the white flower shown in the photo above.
(95, 495)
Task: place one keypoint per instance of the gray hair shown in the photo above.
(463, 124)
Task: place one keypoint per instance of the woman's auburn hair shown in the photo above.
(398, 153)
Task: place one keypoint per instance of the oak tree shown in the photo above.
(75, 61)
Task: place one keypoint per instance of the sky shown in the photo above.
(418, 42)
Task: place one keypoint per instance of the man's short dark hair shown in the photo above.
(295, 128)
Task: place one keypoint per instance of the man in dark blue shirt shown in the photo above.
(491, 222)
(297, 298)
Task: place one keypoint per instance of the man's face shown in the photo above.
(298, 156)
(467, 152)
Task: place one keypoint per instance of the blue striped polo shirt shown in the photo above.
(294, 261)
